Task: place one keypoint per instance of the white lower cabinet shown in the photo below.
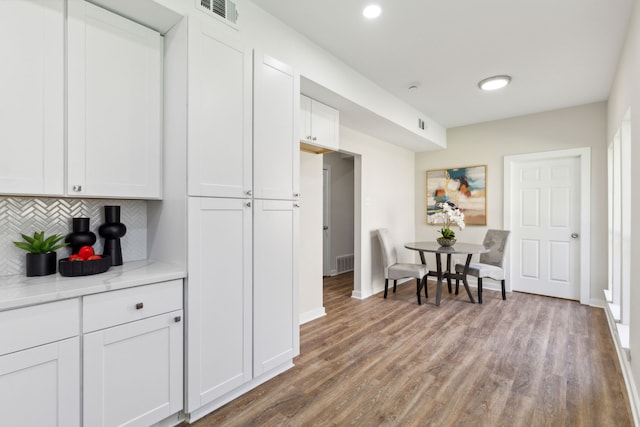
(275, 321)
(242, 296)
(40, 365)
(219, 298)
(132, 372)
(40, 386)
(132, 360)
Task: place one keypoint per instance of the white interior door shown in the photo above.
(546, 206)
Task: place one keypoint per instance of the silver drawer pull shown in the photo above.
(139, 306)
(177, 319)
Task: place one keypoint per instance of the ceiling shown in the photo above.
(560, 53)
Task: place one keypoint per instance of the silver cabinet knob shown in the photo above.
(248, 204)
(296, 205)
(248, 192)
(574, 235)
(296, 194)
(77, 188)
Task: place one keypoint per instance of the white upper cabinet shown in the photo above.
(32, 100)
(276, 107)
(114, 146)
(319, 124)
(219, 149)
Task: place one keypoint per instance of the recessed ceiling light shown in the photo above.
(372, 11)
(495, 82)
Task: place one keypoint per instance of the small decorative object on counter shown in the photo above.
(84, 263)
(112, 230)
(81, 235)
(41, 259)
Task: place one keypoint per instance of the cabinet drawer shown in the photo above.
(39, 324)
(117, 307)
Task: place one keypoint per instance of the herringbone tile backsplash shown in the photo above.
(53, 216)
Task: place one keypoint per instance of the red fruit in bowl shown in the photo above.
(92, 257)
(75, 257)
(85, 252)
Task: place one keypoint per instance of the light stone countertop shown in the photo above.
(19, 290)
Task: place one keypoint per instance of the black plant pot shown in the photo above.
(41, 264)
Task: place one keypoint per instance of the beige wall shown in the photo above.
(488, 143)
(384, 197)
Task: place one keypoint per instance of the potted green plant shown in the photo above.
(41, 256)
(448, 215)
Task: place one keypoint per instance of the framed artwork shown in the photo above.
(463, 187)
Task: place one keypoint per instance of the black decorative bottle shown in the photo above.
(112, 230)
(81, 235)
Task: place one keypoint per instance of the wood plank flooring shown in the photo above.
(526, 361)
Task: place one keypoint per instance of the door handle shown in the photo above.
(574, 235)
(326, 227)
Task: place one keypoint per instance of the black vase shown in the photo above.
(112, 230)
(81, 235)
(41, 264)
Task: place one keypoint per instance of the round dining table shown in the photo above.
(468, 249)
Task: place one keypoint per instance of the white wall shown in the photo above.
(342, 212)
(625, 94)
(384, 198)
(310, 257)
(488, 143)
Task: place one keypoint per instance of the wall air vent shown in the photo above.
(224, 9)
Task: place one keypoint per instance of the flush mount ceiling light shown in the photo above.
(495, 82)
(372, 11)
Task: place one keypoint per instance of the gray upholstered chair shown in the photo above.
(490, 265)
(395, 271)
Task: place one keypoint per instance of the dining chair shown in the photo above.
(395, 271)
(490, 265)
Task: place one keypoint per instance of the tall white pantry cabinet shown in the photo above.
(231, 131)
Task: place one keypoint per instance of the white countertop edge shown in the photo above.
(20, 291)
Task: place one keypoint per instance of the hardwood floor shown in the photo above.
(526, 361)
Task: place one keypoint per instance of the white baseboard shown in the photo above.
(625, 365)
(310, 315)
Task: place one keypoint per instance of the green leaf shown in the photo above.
(28, 239)
(23, 245)
(56, 247)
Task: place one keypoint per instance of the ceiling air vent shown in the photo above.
(225, 9)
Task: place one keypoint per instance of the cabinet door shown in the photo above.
(41, 386)
(219, 147)
(114, 142)
(275, 289)
(305, 119)
(32, 100)
(219, 298)
(133, 372)
(276, 107)
(324, 125)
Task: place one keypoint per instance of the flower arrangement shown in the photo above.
(448, 216)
